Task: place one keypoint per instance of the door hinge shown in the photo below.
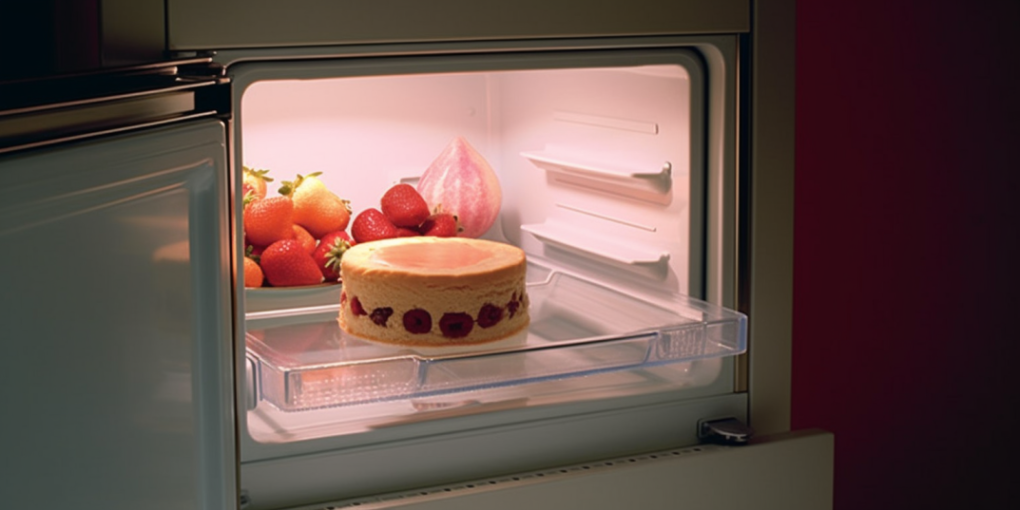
(729, 431)
(202, 68)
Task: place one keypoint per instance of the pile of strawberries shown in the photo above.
(403, 213)
(298, 237)
(295, 238)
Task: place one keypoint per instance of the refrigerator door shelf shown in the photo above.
(644, 182)
(578, 328)
(561, 236)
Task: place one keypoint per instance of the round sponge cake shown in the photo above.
(433, 291)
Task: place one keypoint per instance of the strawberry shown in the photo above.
(253, 276)
(441, 224)
(331, 238)
(287, 264)
(316, 208)
(372, 225)
(407, 232)
(404, 206)
(268, 220)
(306, 239)
(252, 251)
(329, 253)
(254, 182)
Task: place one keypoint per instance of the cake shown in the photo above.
(433, 291)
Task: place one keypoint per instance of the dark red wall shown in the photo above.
(48, 37)
(906, 316)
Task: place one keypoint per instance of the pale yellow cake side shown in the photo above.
(431, 291)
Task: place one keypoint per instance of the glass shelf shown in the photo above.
(303, 360)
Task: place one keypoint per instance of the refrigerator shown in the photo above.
(640, 154)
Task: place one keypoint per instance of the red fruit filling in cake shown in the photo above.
(456, 325)
(356, 307)
(380, 315)
(418, 321)
(489, 315)
(513, 305)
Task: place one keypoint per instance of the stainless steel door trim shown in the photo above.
(103, 132)
(769, 245)
(45, 111)
(231, 56)
(159, 67)
(27, 110)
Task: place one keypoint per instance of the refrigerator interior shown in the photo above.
(602, 171)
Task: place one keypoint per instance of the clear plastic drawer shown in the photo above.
(305, 361)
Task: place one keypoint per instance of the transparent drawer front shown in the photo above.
(305, 361)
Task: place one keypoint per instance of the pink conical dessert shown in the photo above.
(461, 182)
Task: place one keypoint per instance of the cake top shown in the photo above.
(433, 256)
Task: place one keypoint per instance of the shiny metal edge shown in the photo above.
(770, 264)
(149, 68)
(104, 132)
(104, 99)
(230, 56)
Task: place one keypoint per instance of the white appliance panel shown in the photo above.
(117, 382)
(792, 471)
(498, 443)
